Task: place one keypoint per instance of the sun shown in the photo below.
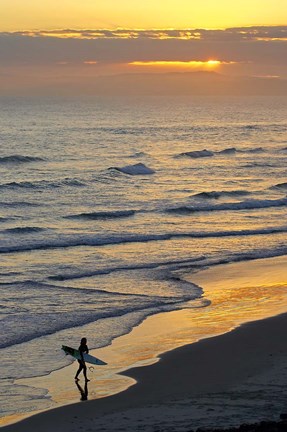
(213, 62)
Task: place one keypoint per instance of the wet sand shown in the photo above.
(239, 376)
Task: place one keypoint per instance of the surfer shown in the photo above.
(83, 348)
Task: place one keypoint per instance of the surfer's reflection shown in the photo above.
(83, 391)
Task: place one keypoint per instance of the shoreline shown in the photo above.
(211, 356)
(146, 391)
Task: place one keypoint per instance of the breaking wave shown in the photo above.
(282, 186)
(137, 169)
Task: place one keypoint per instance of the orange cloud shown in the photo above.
(255, 33)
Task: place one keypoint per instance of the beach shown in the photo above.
(189, 387)
(143, 229)
(143, 209)
(234, 372)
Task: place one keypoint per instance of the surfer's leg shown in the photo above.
(79, 370)
(85, 372)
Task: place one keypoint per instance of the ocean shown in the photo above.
(105, 201)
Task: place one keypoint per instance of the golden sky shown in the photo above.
(141, 14)
(69, 43)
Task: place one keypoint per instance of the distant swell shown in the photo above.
(19, 159)
(24, 230)
(18, 204)
(244, 205)
(97, 240)
(255, 150)
(4, 219)
(260, 165)
(103, 215)
(197, 154)
(228, 151)
(42, 184)
(139, 154)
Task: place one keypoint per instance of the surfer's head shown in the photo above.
(83, 341)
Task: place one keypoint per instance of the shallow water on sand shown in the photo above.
(237, 293)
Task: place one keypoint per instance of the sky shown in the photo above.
(140, 14)
(52, 44)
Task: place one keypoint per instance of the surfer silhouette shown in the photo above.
(83, 348)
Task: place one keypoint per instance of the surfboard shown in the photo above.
(87, 357)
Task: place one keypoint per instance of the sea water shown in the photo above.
(104, 201)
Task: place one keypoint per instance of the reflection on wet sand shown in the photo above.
(83, 391)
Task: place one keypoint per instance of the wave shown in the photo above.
(260, 165)
(4, 219)
(131, 303)
(216, 195)
(280, 186)
(228, 151)
(197, 154)
(243, 205)
(18, 204)
(9, 274)
(251, 127)
(139, 154)
(137, 131)
(19, 159)
(68, 242)
(42, 184)
(194, 263)
(129, 267)
(254, 150)
(71, 182)
(24, 230)
(103, 215)
(31, 326)
(137, 169)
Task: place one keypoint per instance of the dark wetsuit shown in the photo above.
(82, 365)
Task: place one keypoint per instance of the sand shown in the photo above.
(225, 380)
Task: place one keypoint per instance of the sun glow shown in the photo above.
(191, 64)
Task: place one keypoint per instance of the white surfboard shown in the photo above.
(87, 357)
